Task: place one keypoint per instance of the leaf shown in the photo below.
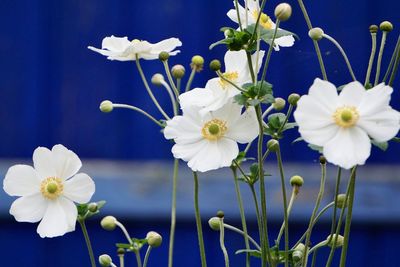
(298, 139)
(316, 148)
(124, 245)
(267, 34)
(252, 252)
(223, 41)
(289, 125)
(381, 145)
(396, 139)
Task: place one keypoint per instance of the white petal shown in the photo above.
(187, 151)
(375, 100)
(381, 126)
(43, 163)
(319, 136)
(183, 129)
(235, 61)
(260, 60)
(117, 44)
(166, 45)
(80, 188)
(352, 94)
(284, 41)
(325, 93)
(245, 128)
(29, 208)
(21, 180)
(350, 147)
(232, 15)
(57, 219)
(197, 97)
(311, 114)
(220, 95)
(67, 163)
(230, 112)
(104, 52)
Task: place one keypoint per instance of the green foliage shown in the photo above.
(267, 34)
(255, 94)
(84, 212)
(136, 245)
(277, 124)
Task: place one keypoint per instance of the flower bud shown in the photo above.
(178, 71)
(283, 11)
(163, 56)
(157, 79)
(92, 207)
(108, 223)
(386, 26)
(273, 145)
(214, 223)
(154, 239)
(215, 65)
(279, 104)
(106, 106)
(220, 214)
(296, 180)
(322, 159)
(197, 63)
(228, 33)
(373, 28)
(298, 252)
(105, 260)
(339, 241)
(316, 34)
(120, 251)
(340, 201)
(293, 98)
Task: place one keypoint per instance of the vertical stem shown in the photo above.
(121, 260)
(289, 209)
(396, 64)
(392, 60)
(371, 58)
(238, 15)
(198, 220)
(146, 257)
(314, 258)
(250, 63)
(171, 81)
(268, 58)
(259, 221)
(138, 259)
(379, 62)
(173, 214)
(189, 83)
(87, 240)
(221, 241)
(333, 223)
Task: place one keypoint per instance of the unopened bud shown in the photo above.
(283, 11)
(106, 106)
(279, 104)
(298, 252)
(220, 214)
(322, 159)
(163, 56)
(339, 241)
(296, 180)
(340, 201)
(316, 34)
(228, 33)
(154, 239)
(373, 28)
(92, 207)
(178, 71)
(386, 26)
(108, 223)
(157, 79)
(293, 99)
(273, 145)
(215, 65)
(214, 223)
(120, 251)
(105, 260)
(197, 63)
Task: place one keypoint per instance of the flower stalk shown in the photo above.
(87, 240)
(173, 214)
(198, 221)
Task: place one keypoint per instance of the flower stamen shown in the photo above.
(230, 76)
(265, 21)
(214, 129)
(346, 116)
(51, 187)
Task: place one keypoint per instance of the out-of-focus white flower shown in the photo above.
(48, 190)
(121, 49)
(210, 142)
(253, 9)
(217, 91)
(344, 124)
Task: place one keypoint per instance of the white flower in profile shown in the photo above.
(343, 124)
(217, 91)
(210, 142)
(253, 9)
(48, 190)
(121, 49)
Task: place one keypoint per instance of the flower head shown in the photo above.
(209, 142)
(344, 124)
(48, 190)
(121, 49)
(253, 10)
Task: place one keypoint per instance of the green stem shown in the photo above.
(138, 110)
(234, 229)
(146, 257)
(171, 81)
(221, 76)
(171, 96)
(348, 218)
(371, 58)
(178, 84)
(173, 214)
(333, 223)
(87, 240)
(290, 205)
(238, 15)
(396, 64)
(392, 60)
(258, 20)
(346, 59)
(221, 241)
(268, 58)
(198, 220)
(314, 258)
(191, 77)
(250, 63)
(121, 260)
(379, 61)
(138, 259)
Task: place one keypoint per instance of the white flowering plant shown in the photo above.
(208, 127)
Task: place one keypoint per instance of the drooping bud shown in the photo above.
(298, 252)
(108, 223)
(339, 241)
(316, 34)
(163, 56)
(105, 260)
(178, 71)
(157, 79)
(373, 28)
(92, 207)
(215, 65)
(279, 104)
(297, 180)
(106, 106)
(293, 99)
(273, 145)
(340, 201)
(283, 11)
(214, 223)
(386, 26)
(154, 239)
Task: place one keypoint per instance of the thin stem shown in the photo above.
(171, 96)
(138, 259)
(379, 61)
(268, 58)
(121, 260)
(371, 58)
(259, 221)
(396, 64)
(221, 76)
(250, 63)
(198, 220)
(317, 203)
(234, 229)
(348, 218)
(123, 229)
(317, 246)
(346, 59)
(267, 111)
(316, 46)
(289, 112)
(138, 110)
(146, 257)
(191, 77)
(88, 244)
(289, 209)
(333, 223)
(258, 19)
(146, 85)
(242, 215)
(221, 241)
(392, 60)
(173, 214)
(178, 84)
(171, 81)
(238, 15)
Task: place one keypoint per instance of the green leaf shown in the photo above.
(267, 34)
(240, 99)
(316, 148)
(223, 41)
(381, 145)
(124, 245)
(289, 125)
(396, 139)
(252, 252)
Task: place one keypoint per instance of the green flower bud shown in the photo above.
(106, 106)
(198, 60)
(293, 98)
(373, 28)
(283, 11)
(316, 34)
(228, 33)
(296, 180)
(322, 159)
(157, 79)
(108, 223)
(215, 65)
(92, 207)
(121, 251)
(341, 199)
(178, 71)
(339, 241)
(163, 56)
(220, 214)
(105, 260)
(279, 104)
(298, 252)
(386, 26)
(214, 223)
(154, 239)
(273, 145)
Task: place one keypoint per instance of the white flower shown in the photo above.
(343, 124)
(120, 48)
(218, 91)
(48, 190)
(253, 9)
(210, 142)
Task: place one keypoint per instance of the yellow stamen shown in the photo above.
(265, 21)
(231, 76)
(51, 187)
(214, 129)
(346, 116)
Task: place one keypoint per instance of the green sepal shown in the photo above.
(84, 212)
(396, 139)
(252, 252)
(381, 145)
(136, 246)
(237, 40)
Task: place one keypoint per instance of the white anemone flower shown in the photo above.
(48, 190)
(121, 49)
(253, 9)
(217, 91)
(344, 124)
(210, 142)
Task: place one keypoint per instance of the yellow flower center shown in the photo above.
(231, 76)
(346, 116)
(135, 41)
(51, 187)
(265, 21)
(214, 129)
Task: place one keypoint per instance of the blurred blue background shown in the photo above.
(51, 86)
